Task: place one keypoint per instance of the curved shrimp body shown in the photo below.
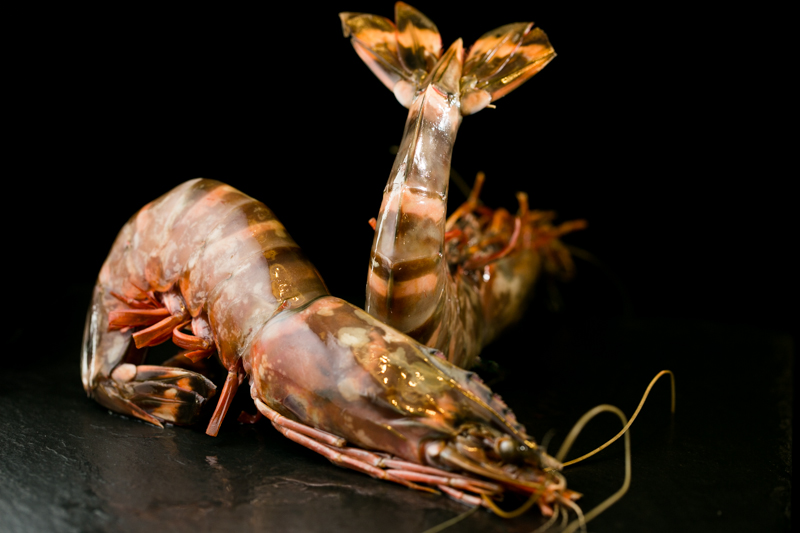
(203, 255)
(209, 259)
(453, 294)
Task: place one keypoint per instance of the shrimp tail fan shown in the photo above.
(404, 55)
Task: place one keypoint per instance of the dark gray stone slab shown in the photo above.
(722, 463)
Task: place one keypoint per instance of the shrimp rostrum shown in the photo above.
(213, 270)
(451, 283)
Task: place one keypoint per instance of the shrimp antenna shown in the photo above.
(547, 525)
(511, 514)
(583, 519)
(582, 422)
(611, 500)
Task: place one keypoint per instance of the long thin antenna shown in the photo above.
(575, 430)
(511, 514)
(580, 522)
(549, 523)
(611, 500)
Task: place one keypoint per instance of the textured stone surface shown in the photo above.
(722, 464)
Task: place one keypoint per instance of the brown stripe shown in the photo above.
(201, 189)
(405, 270)
(413, 236)
(253, 212)
(256, 212)
(411, 223)
(292, 275)
(291, 257)
(271, 234)
(403, 305)
(240, 236)
(423, 332)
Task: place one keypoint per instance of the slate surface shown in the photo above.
(721, 464)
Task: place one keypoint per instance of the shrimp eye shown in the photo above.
(507, 449)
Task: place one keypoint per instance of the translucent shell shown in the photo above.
(406, 56)
(418, 41)
(504, 58)
(446, 74)
(375, 42)
(407, 51)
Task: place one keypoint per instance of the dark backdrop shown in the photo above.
(656, 124)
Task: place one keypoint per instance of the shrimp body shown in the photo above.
(207, 258)
(454, 283)
(203, 254)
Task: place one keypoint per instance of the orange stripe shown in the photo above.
(423, 286)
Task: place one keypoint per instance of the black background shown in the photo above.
(661, 125)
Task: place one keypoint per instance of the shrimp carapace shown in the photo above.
(338, 369)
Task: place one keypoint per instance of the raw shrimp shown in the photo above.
(452, 284)
(328, 375)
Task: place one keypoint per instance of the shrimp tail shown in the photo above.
(112, 368)
(403, 55)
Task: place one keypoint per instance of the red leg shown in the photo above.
(188, 342)
(512, 242)
(157, 333)
(122, 318)
(149, 303)
(378, 465)
(232, 382)
(416, 472)
(198, 355)
(449, 481)
(198, 347)
(155, 394)
(317, 434)
(486, 486)
(336, 456)
(462, 497)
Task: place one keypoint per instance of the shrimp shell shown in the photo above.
(327, 374)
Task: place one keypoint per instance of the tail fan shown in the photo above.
(403, 55)
(500, 61)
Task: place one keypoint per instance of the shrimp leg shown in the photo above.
(378, 466)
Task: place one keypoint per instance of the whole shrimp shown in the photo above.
(451, 283)
(215, 271)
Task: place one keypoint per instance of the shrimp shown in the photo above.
(215, 271)
(451, 283)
